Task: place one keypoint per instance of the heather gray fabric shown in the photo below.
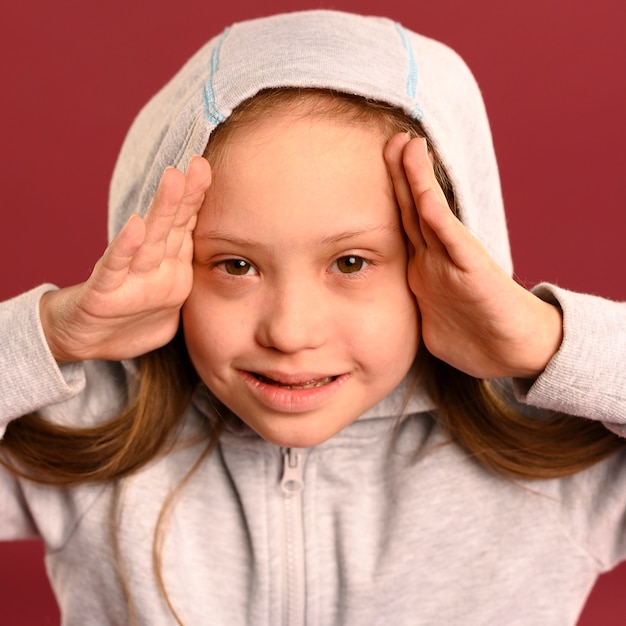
(388, 535)
(372, 57)
(414, 533)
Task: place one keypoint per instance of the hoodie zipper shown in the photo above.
(292, 485)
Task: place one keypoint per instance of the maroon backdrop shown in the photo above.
(74, 74)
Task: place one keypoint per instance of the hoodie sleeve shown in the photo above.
(30, 378)
(587, 376)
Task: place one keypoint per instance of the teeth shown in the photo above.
(310, 384)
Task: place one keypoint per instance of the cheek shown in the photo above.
(195, 338)
(211, 332)
(403, 330)
(386, 330)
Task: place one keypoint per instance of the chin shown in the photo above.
(295, 437)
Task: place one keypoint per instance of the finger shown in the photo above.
(159, 220)
(427, 193)
(197, 182)
(419, 166)
(185, 251)
(442, 228)
(393, 154)
(437, 222)
(112, 269)
(164, 207)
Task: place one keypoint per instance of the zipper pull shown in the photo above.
(292, 481)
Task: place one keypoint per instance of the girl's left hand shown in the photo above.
(474, 315)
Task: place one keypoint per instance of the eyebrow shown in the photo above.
(327, 240)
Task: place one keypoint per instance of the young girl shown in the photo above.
(299, 390)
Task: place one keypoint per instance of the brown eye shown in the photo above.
(237, 267)
(350, 264)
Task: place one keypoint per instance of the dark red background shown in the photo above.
(74, 73)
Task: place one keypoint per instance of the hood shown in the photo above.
(367, 56)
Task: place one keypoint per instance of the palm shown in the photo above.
(474, 316)
(131, 302)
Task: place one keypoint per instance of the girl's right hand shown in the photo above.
(131, 302)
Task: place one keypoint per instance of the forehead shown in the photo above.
(312, 104)
(291, 170)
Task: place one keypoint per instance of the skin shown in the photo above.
(300, 317)
(473, 315)
(131, 302)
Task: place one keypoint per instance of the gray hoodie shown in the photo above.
(365, 528)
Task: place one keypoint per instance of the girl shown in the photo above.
(300, 389)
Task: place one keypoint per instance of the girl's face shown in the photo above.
(300, 317)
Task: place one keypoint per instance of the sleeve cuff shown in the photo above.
(31, 378)
(587, 376)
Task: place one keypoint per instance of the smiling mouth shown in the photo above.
(309, 384)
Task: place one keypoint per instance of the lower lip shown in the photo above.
(292, 400)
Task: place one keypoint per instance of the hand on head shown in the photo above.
(473, 315)
(131, 302)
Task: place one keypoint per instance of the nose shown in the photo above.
(293, 318)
